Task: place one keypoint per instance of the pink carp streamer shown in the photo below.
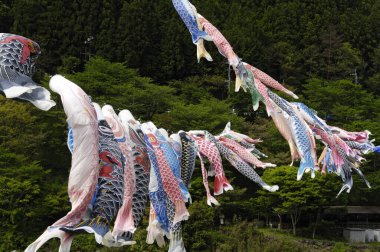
(244, 153)
(262, 89)
(225, 49)
(208, 149)
(270, 82)
(210, 199)
(238, 136)
(298, 124)
(220, 41)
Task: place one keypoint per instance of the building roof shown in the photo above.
(354, 209)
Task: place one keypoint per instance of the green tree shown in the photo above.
(296, 197)
(344, 104)
(209, 114)
(5, 18)
(123, 88)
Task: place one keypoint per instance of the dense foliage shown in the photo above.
(327, 51)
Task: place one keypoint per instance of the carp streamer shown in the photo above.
(119, 163)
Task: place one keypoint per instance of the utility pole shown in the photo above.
(87, 42)
(356, 75)
(228, 82)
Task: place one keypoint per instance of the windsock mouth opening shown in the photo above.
(56, 82)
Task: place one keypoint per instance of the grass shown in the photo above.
(238, 237)
(280, 240)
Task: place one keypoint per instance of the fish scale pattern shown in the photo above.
(70, 139)
(300, 135)
(238, 163)
(345, 172)
(329, 141)
(188, 14)
(220, 42)
(16, 55)
(209, 150)
(189, 155)
(261, 89)
(169, 181)
(242, 152)
(170, 168)
(124, 220)
(270, 82)
(314, 118)
(175, 228)
(247, 145)
(141, 165)
(360, 146)
(109, 196)
(173, 161)
(158, 198)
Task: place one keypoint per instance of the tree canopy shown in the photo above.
(138, 55)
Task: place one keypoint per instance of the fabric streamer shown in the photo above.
(109, 196)
(141, 165)
(18, 57)
(118, 163)
(85, 160)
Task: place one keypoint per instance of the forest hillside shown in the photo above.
(138, 55)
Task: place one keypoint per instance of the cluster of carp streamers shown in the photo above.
(118, 162)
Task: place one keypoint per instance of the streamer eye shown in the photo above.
(34, 48)
(152, 140)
